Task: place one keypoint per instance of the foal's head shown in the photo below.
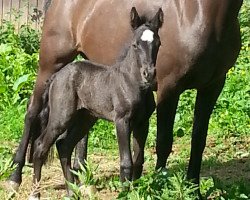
(146, 42)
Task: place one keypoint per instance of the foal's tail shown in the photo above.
(43, 118)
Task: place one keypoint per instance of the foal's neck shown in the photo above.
(130, 67)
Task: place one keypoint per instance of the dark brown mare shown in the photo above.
(200, 42)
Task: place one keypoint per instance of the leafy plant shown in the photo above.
(159, 185)
(87, 181)
(5, 167)
(18, 64)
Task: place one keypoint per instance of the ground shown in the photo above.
(227, 162)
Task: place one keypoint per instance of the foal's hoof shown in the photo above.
(89, 190)
(11, 186)
(32, 197)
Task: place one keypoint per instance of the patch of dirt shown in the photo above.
(52, 182)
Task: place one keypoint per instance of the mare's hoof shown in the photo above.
(32, 197)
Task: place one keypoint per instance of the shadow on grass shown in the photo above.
(230, 180)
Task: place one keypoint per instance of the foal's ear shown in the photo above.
(157, 21)
(135, 20)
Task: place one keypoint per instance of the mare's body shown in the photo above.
(200, 43)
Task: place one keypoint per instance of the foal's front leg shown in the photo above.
(140, 133)
(123, 134)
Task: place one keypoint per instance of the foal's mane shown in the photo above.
(123, 52)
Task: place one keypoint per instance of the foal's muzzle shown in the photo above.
(149, 74)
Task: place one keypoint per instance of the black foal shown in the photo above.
(82, 92)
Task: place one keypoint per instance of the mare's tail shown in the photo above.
(46, 5)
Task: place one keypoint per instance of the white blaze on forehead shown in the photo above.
(147, 35)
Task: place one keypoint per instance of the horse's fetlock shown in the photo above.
(126, 172)
(19, 161)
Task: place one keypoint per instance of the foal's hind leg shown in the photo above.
(205, 101)
(57, 124)
(82, 123)
(81, 152)
(166, 110)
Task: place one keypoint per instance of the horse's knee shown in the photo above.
(18, 159)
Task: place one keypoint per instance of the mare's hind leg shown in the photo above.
(82, 123)
(205, 101)
(140, 133)
(31, 128)
(166, 110)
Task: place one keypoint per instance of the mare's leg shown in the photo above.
(166, 110)
(53, 56)
(205, 101)
(140, 133)
(123, 134)
(82, 123)
(31, 127)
